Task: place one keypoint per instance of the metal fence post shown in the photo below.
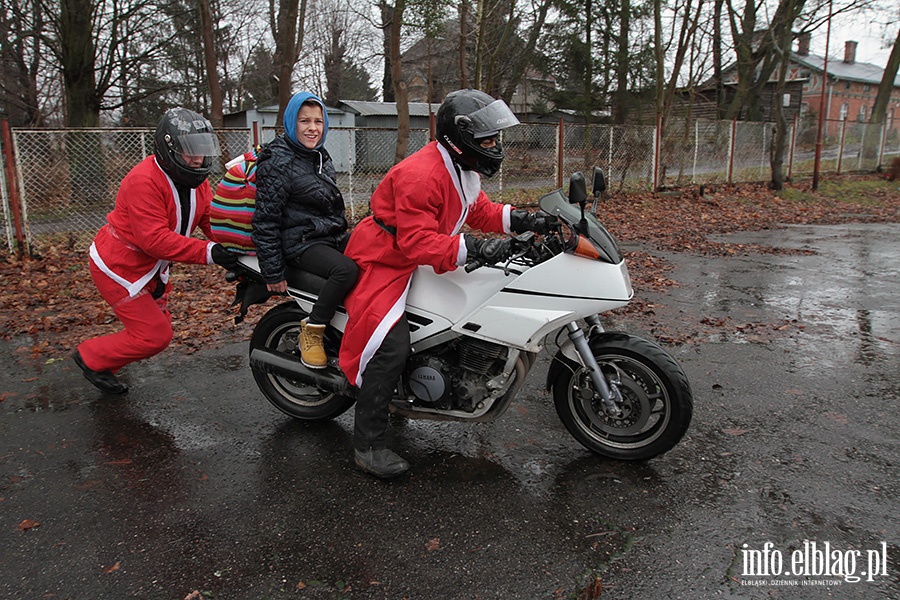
(793, 145)
(12, 188)
(560, 142)
(881, 146)
(657, 142)
(731, 150)
(862, 147)
(841, 146)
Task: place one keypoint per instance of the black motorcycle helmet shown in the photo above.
(184, 132)
(464, 119)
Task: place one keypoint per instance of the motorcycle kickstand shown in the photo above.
(607, 395)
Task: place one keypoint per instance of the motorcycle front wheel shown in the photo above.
(279, 329)
(657, 404)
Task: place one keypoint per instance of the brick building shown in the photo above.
(850, 90)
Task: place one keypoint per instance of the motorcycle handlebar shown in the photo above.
(475, 264)
(520, 244)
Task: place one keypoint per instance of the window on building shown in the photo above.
(866, 87)
(845, 108)
(862, 112)
(847, 85)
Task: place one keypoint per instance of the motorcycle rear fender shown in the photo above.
(567, 349)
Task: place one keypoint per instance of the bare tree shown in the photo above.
(686, 30)
(463, 43)
(211, 63)
(782, 49)
(21, 53)
(399, 85)
(287, 27)
(887, 85)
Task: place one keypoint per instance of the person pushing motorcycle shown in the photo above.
(418, 211)
(160, 202)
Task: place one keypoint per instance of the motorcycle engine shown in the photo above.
(429, 380)
(454, 378)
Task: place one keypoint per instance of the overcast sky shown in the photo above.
(861, 29)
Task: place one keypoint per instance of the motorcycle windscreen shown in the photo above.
(556, 204)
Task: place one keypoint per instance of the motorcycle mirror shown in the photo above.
(577, 189)
(599, 184)
(578, 195)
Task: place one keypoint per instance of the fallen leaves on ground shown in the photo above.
(28, 524)
(52, 303)
(113, 567)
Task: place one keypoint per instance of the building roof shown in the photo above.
(381, 109)
(844, 71)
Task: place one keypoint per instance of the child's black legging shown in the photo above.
(339, 272)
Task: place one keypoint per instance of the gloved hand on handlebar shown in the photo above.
(490, 251)
(223, 257)
(521, 221)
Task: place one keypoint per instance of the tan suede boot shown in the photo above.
(312, 352)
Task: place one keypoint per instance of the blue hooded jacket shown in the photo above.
(293, 109)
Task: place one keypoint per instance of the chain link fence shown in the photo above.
(68, 179)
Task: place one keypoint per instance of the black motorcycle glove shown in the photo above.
(223, 257)
(521, 221)
(491, 251)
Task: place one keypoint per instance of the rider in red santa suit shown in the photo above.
(418, 211)
(160, 202)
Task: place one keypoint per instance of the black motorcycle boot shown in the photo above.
(382, 463)
(371, 419)
(105, 380)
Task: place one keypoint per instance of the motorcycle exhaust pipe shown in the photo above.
(289, 366)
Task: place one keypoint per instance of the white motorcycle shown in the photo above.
(476, 332)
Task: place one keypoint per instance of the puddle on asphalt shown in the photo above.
(841, 301)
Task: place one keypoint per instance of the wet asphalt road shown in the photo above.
(193, 482)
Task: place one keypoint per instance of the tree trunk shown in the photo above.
(209, 59)
(659, 53)
(77, 56)
(887, 83)
(286, 51)
(388, 13)
(400, 92)
(779, 139)
(717, 58)
(463, 34)
(479, 43)
(882, 99)
(622, 63)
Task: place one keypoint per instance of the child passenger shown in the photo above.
(300, 218)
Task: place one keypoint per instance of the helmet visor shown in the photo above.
(198, 144)
(488, 121)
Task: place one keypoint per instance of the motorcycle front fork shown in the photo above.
(610, 396)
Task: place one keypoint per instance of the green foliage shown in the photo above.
(357, 85)
(866, 192)
(258, 84)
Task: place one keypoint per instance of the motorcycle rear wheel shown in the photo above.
(657, 400)
(279, 329)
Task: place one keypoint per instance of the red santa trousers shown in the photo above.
(148, 326)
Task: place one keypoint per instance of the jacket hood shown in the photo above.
(290, 118)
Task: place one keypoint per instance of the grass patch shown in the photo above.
(867, 192)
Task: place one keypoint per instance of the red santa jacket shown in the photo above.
(428, 200)
(142, 233)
